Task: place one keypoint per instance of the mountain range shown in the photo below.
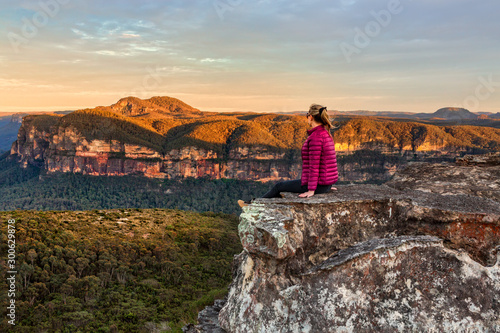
(167, 107)
(443, 114)
(163, 137)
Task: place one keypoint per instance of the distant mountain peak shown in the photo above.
(134, 106)
(455, 109)
(453, 113)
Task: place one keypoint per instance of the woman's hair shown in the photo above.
(320, 115)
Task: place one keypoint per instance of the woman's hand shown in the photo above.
(307, 194)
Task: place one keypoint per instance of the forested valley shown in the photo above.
(129, 270)
(32, 189)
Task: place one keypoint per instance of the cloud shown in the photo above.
(130, 35)
(429, 47)
(16, 83)
(214, 60)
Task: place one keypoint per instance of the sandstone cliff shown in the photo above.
(418, 254)
(65, 149)
(45, 142)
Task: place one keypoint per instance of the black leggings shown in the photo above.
(293, 186)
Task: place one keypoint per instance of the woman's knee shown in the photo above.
(278, 187)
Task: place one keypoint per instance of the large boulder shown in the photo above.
(418, 254)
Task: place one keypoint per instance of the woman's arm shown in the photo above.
(314, 149)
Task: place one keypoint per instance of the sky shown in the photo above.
(242, 55)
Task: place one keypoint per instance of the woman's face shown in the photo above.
(309, 119)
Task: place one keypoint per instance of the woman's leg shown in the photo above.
(323, 189)
(293, 186)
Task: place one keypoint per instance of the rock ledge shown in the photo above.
(418, 254)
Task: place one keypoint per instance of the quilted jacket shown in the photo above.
(319, 161)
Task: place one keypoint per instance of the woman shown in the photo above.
(319, 161)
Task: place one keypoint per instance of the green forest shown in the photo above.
(128, 270)
(33, 189)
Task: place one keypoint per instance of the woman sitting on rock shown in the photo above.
(319, 161)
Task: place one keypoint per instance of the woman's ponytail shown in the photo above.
(320, 115)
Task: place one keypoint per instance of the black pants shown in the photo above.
(294, 187)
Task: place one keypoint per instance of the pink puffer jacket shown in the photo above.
(319, 161)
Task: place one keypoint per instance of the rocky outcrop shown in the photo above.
(472, 175)
(31, 144)
(406, 256)
(68, 151)
(208, 319)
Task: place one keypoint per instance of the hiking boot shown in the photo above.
(243, 203)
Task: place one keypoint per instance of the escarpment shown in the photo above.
(50, 143)
(418, 254)
(163, 137)
(58, 148)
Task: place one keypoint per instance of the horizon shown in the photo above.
(250, 111)
(252, 56)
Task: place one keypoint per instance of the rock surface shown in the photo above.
(208, 320)
(473, 175)
(419, 254)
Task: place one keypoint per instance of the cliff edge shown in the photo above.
(418, 254)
